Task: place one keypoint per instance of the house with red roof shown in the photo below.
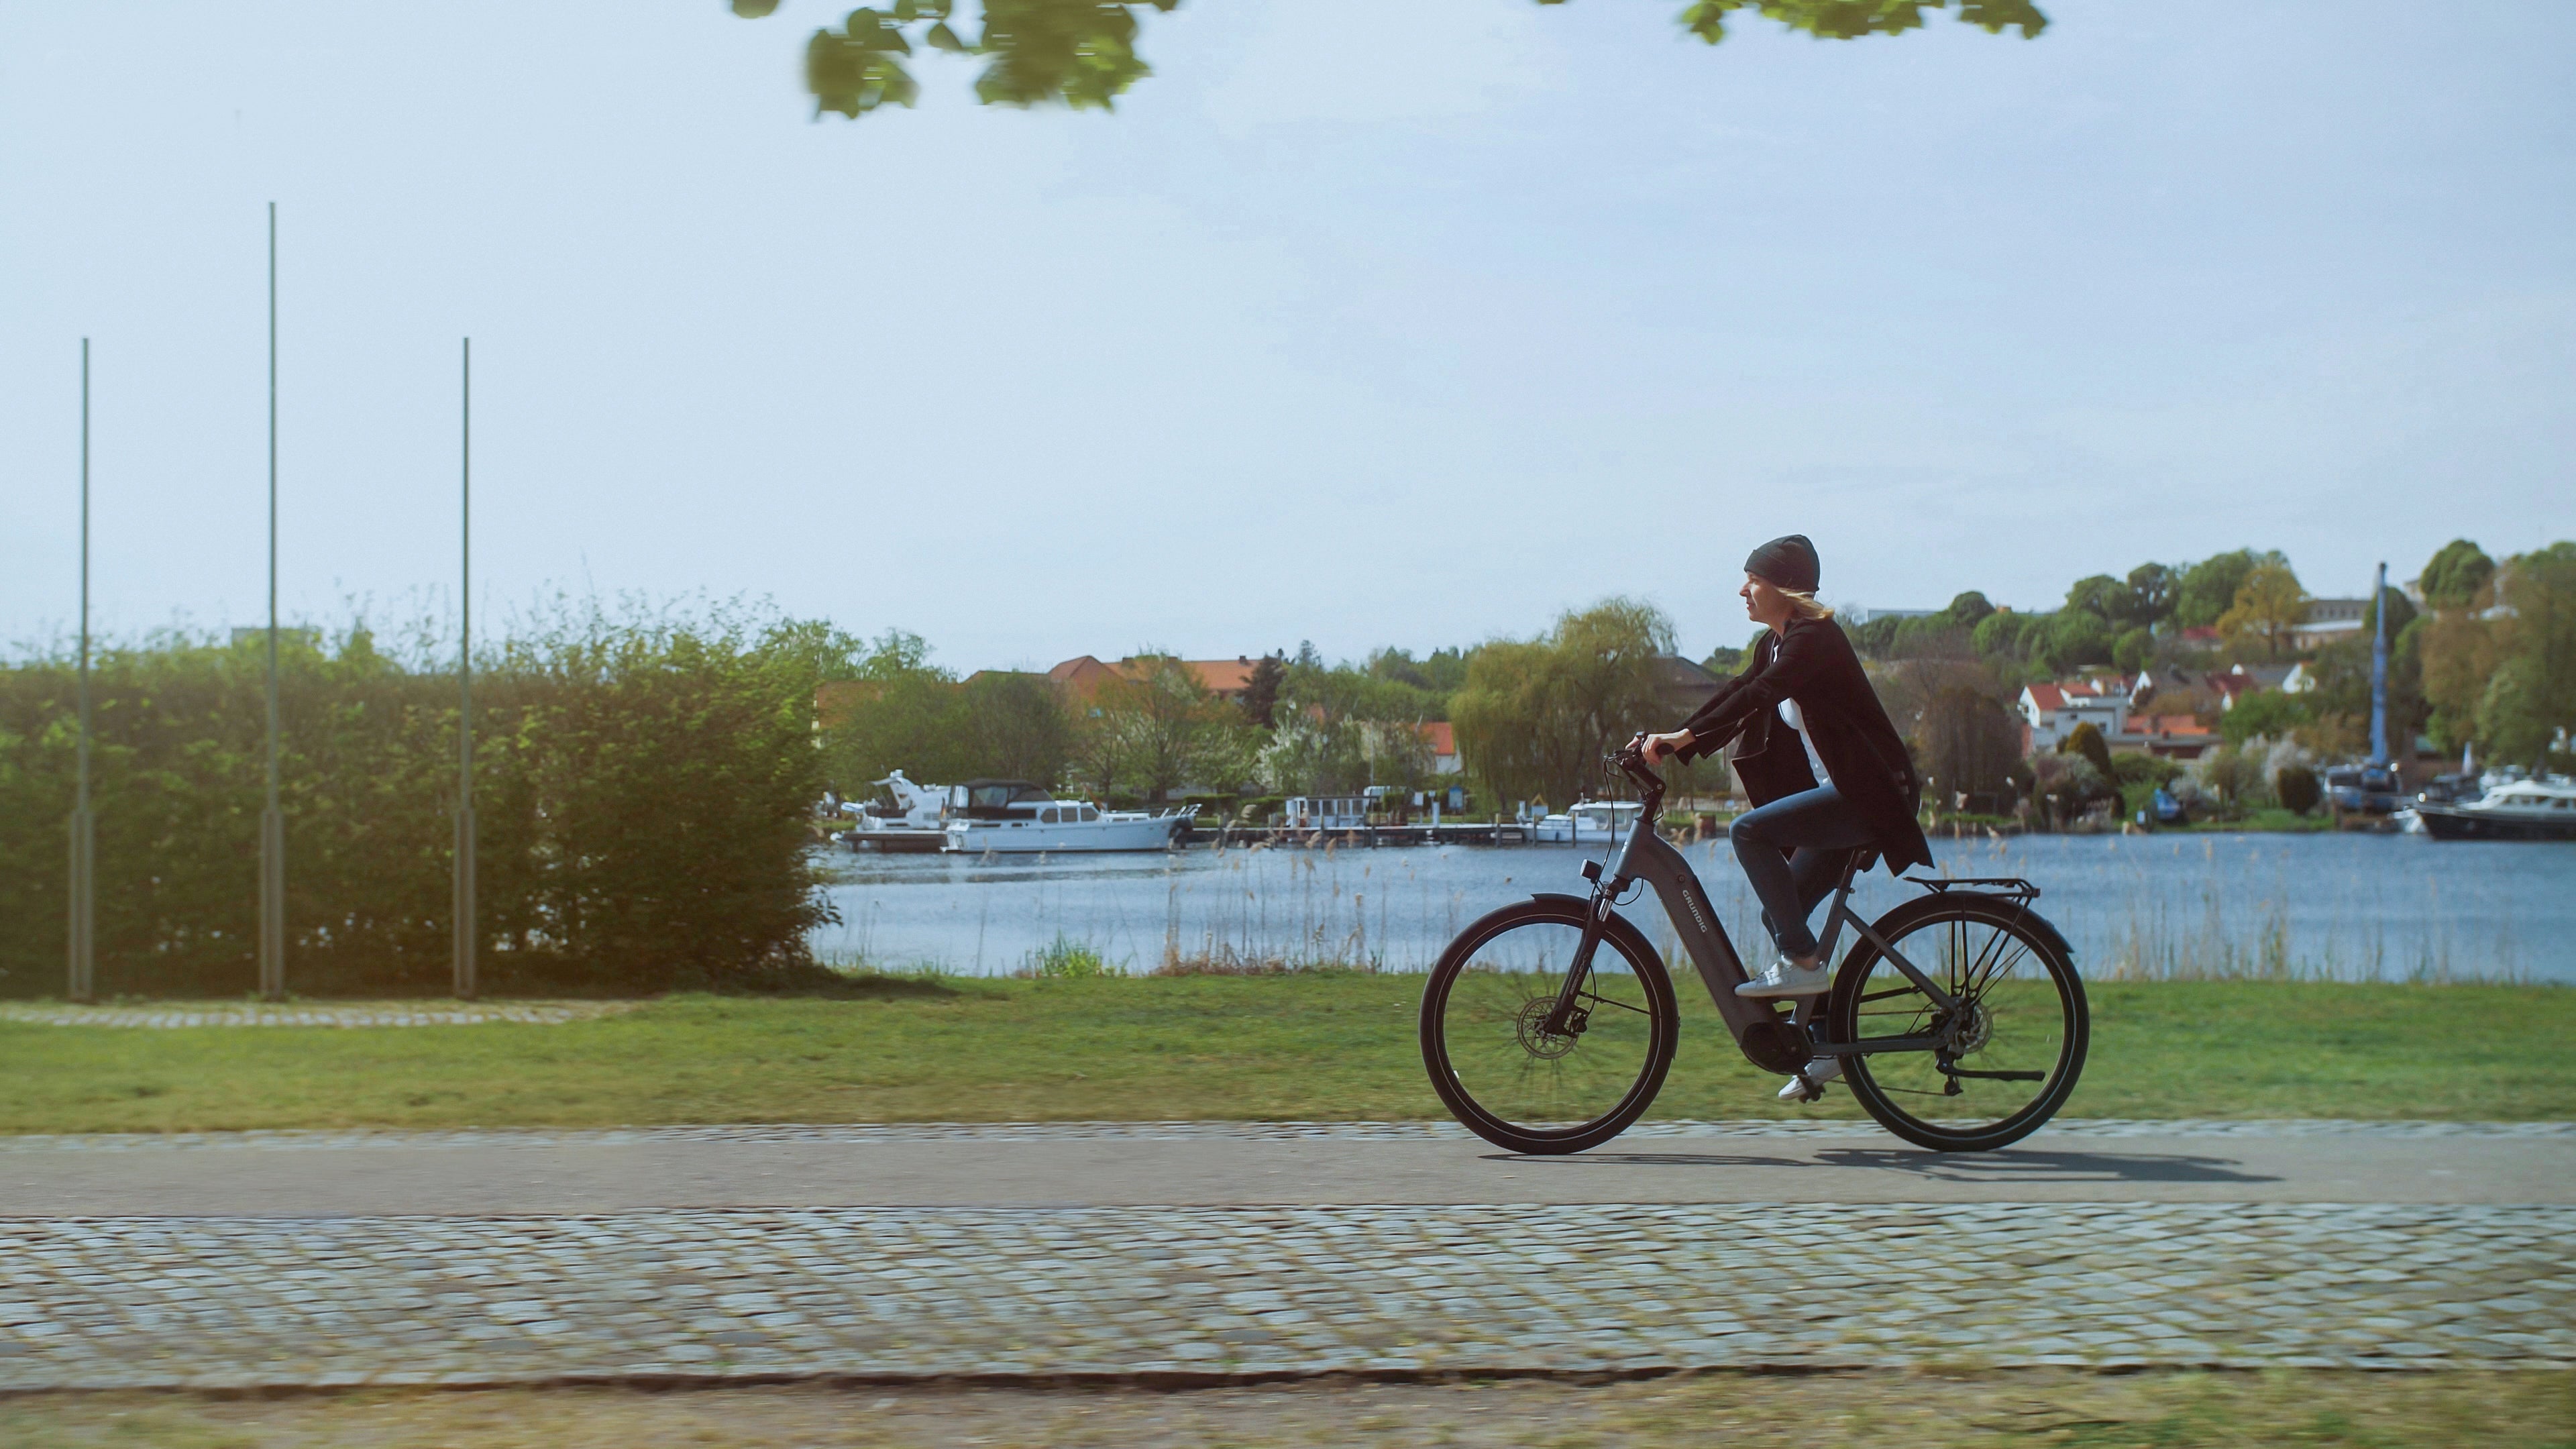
(2050, 712)
(1444, 746)
(1082, 677)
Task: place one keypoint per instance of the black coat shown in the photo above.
(1812, 662)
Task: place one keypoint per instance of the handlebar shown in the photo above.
(1631, 762)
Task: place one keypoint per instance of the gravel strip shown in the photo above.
(1215, 1293)
(452, 1013)
(861, 1133)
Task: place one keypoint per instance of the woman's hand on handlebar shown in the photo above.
(1656, 747)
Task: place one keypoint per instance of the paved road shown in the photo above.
(1214, 1252)
(500, 1173)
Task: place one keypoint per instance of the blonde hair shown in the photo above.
(1802, 602)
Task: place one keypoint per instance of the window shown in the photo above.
(1089, 813)
(1046, 817)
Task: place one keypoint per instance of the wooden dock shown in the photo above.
(1365, 837)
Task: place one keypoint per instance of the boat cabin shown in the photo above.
(1325, 812)
(997, 800)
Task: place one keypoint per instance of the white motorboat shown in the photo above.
(1592, 822)
(1014, 817)
(907, 817)
(2511, 808)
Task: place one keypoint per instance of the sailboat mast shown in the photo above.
(2379, 671)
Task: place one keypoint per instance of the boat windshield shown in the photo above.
(993, 799)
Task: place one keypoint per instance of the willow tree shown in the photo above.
(1536, 716)
(1082, 53)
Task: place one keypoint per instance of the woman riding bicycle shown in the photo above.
(1825, 770)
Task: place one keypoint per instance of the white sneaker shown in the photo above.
(1819, 1072)
(1788, 978)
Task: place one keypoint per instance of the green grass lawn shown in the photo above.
(1258, 1048)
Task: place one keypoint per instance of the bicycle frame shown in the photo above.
(1647, 857)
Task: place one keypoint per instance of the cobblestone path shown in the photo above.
(131, 1302)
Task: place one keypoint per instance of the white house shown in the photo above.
(2052, 711)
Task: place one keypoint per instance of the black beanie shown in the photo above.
(1789, 563)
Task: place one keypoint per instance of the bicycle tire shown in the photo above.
(1982, 945)
(1469, 1051)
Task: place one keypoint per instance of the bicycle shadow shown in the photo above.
(2012, 1165)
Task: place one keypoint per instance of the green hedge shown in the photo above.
(642, 792)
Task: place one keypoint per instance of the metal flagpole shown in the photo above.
(465, 688)
(272, 821)
(84, 918)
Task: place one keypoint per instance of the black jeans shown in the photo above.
(1794, 851)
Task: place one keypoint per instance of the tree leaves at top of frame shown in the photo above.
(1082, 53)
(1853, 19)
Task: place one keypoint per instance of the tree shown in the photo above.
(1261, 691)
(1875, 639)
(2531, 699)
(1017, 727)
(1999, 633)
(900, 713)
(1969, 743)
(2458, 654)
(1396, 754)
(2152, 594)
(1082, 53)
(2071, 639)
(2131, 651)
(1346, 692)
(2265, 712)
(1967, 610)
(2102, 596)
(2208, 588)
(1438, 674)
(2296, 788)
(1311, 755)
(1932, 636)
(2269, 606)
(2086, 740)
(2456, 574)
(1536, 716)
(1155, 726)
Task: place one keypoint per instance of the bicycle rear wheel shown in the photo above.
(2020, 1022)
(1492, 1057)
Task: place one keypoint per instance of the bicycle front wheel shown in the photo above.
(2018, 1028)
(1513, 1071)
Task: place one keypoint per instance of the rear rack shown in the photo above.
(2001, 885)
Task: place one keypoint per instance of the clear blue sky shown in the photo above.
(1360, 322)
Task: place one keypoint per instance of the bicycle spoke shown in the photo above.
(1495, 1028)
(2000, 1022)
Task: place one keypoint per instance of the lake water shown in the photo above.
(2353, 906)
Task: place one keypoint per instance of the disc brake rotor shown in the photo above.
(1536, 1039)
(1973, 1030)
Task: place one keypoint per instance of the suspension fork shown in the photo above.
(1566, 1018)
